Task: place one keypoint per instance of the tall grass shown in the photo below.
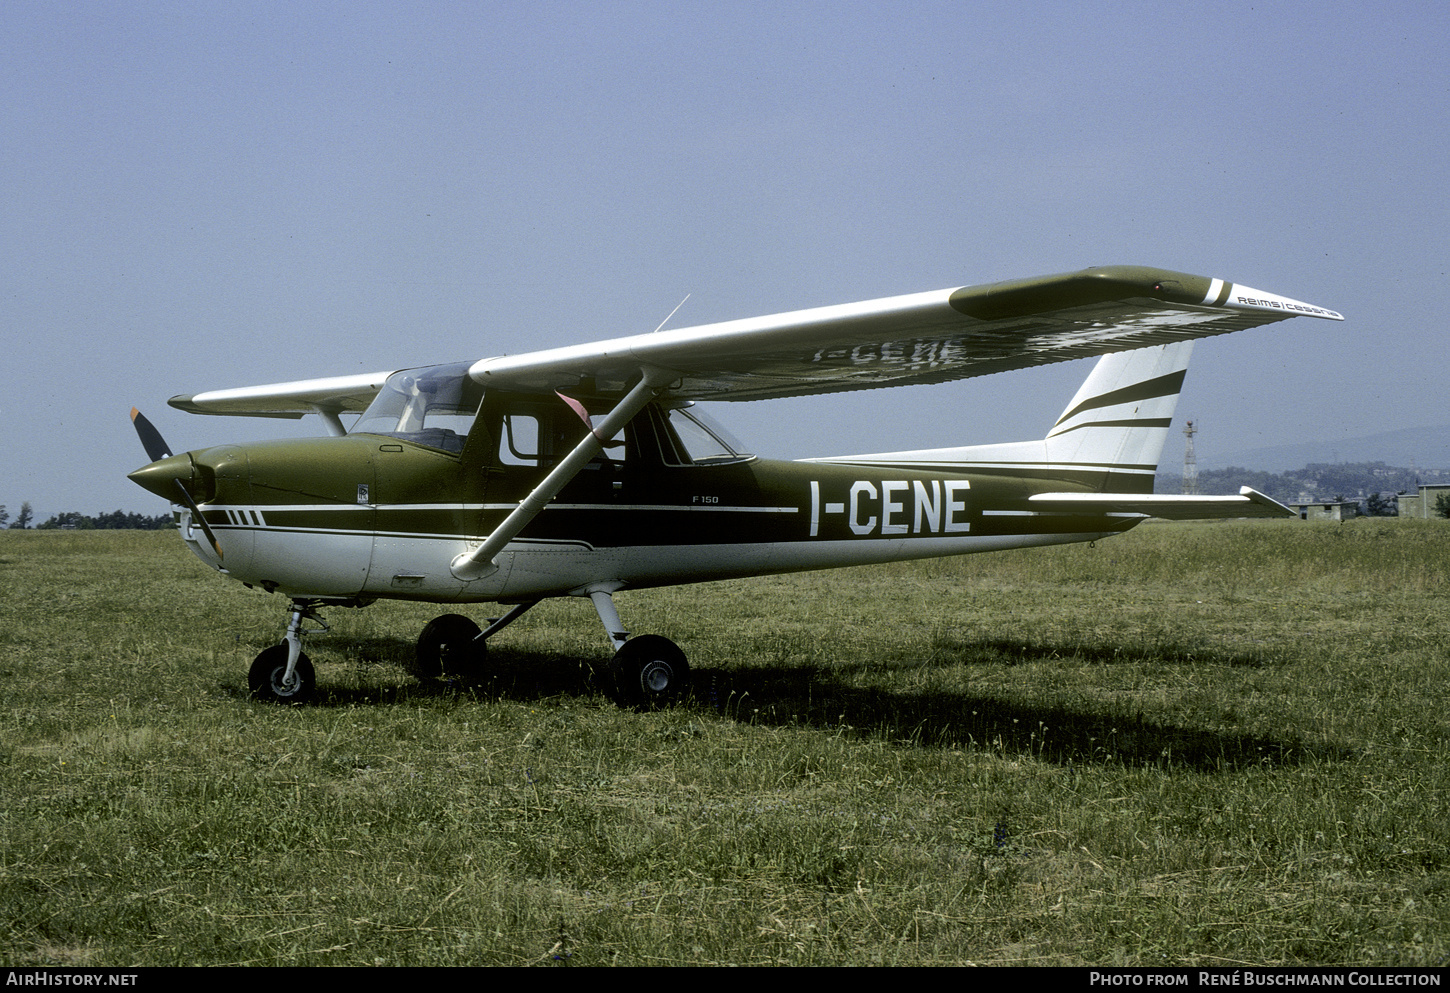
(1192, 744)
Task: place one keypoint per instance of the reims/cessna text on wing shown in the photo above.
(584, 471)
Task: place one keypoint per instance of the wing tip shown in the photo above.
(1240, 297)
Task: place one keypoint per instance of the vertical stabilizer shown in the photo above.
(1119, 420)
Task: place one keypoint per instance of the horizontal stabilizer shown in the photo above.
(1172, 506)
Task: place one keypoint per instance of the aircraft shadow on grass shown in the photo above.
(807, 694)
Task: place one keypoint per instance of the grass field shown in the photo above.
(1193, 744)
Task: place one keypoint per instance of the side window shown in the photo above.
(537, 435)
(519, 444)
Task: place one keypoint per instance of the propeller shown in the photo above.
(151, 440)
(151, 477)
(198, 517)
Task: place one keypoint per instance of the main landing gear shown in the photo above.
(449, 647)
(646, 672)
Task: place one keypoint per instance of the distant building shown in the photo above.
(1327, 510)
(1422, 504)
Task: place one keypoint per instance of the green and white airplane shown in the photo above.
(586, 470)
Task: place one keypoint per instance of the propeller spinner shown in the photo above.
(167, 474)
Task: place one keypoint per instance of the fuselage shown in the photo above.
(371, 516)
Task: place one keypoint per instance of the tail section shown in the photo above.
(1108, 439)
(1100, 457)
(1119, 420)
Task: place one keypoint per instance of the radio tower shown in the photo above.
(1190, 462)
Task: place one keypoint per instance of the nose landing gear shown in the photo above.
(282, 673)
(270, 682)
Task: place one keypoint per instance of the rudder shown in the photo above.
(1119, 419)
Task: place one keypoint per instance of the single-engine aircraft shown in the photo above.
(586, 470)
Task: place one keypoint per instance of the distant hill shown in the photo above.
(1425, 448)
(1314, 482)
(1349, 468)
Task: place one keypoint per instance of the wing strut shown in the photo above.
(479, 563)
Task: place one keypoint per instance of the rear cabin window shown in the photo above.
(542, 435)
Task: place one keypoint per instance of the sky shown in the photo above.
(203, 196)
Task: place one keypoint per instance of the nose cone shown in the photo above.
(160, 476)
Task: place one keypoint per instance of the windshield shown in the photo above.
(700, 440)
(433, 406)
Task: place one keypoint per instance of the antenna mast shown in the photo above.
(1190, 461)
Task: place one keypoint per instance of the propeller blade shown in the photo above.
(151, 440)
(197, 517)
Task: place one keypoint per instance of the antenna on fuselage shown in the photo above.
(671, 314)
(1190, 461)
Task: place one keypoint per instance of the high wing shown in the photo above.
(336, 395)
(932, 337)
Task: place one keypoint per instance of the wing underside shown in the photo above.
(922, 338)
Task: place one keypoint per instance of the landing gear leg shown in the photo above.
(453, 646)
(282, 673)
(604, 605)
(647, 671)
(448, 647)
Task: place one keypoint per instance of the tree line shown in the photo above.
(116, 520)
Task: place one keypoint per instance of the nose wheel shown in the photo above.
(283, 674)
(270, 682)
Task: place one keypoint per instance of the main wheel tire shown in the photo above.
(447, 647)
(649, 671)
(265, 677)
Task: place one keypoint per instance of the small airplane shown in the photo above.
(586, 470)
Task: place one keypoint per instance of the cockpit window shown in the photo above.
(697, 439)
(433, 406)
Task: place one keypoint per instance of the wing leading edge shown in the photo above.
(920, 338)
(932, 337)
(335, 395)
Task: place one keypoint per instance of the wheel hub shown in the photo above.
(656, 677)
